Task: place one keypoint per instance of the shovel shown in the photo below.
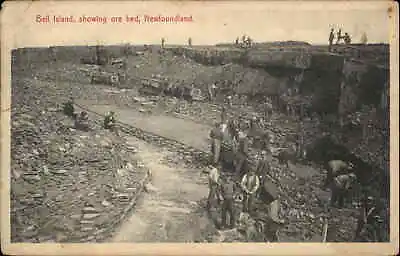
(325, 231)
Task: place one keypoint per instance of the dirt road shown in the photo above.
(170, 127)
(171, 210)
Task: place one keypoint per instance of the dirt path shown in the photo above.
(170, 211)
(186, 131)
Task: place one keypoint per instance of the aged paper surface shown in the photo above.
(270, 75)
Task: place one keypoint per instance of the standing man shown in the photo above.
(228, 190)
(242, 152)
(229, 100)
(331, 37)
(162, 42)
(213, 179)
(233, 126)
(339, 36)
(268, 107)
(223, 114)
(216, 140)
(250, 184)
(211, 91)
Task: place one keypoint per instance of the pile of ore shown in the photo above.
(67, 185)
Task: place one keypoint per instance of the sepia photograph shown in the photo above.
(137, 123)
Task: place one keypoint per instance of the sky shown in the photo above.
(213, 22)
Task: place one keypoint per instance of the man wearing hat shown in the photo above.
(242, 152)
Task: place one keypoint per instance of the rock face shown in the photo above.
(334, 83)
(283, 59)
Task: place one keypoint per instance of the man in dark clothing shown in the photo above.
(228, 189)
(233, 127)
(339, 36)
(331, 37)
(82, 122)
(242, 152)
(162, 42)
(223, 114)
(216, 140)
(347, 39)
(69, 108)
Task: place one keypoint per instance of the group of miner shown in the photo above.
(339, 37)
(249, 183)
(81, 120)
(255, 183)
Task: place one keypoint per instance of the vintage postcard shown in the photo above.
(199, 127)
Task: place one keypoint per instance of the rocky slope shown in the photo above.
(67, 185)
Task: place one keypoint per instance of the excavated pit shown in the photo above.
(269, 78)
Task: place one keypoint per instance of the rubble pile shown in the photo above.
(67, 185)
